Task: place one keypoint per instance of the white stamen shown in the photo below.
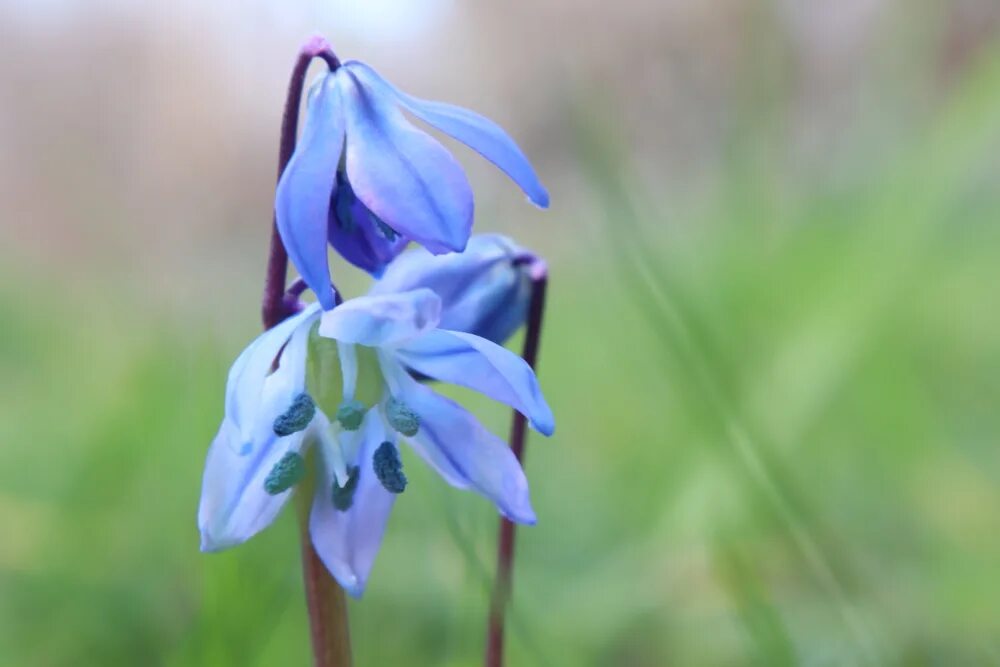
(390, 372)
(348, 369)
(330, 449)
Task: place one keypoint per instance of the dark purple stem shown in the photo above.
(274, 306)
(324, 598)
(518, 431)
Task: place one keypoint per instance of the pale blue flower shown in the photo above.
(484, 291)
(364, 179)
(271, 421)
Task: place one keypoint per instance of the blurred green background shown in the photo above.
(773, 339)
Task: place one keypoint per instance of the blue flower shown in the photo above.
(484, 291)
(364, 179)
(271, 423)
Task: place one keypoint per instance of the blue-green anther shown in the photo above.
(350, 414)
(343, 496)
(387, 232)
(285, 474)
(388, 468)
(296, 417)
(402, 418)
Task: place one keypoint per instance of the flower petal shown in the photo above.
(348, 541)
(302, 200)
(462, 451)
(386, 319)
(483, 366)
(477, 132)
(234, 504)
(402, 174)
(484, 290)
(245, 384)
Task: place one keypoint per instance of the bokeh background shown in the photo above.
(773, 342)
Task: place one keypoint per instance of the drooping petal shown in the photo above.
(234, 503)
(484, 290)
(348, 541)
(477, 132)
(302, 200)
(386, 319)
(353, 234)
(483, 366)
(402, 174)
(245, 384)
(463, 452)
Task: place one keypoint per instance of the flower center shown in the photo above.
(343, 204)
(351, 213)
(350, 414)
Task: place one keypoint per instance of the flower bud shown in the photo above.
(484, 291)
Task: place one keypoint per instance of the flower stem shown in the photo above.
(324, 598)
(274, 307)
(518, 431)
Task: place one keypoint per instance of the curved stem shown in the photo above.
(518, 432)
(274, 307)
(324, 598)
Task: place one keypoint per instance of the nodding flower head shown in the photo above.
(367, 181)
(275, 426)
(484, 291)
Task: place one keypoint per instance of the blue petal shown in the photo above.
(402, 174)
(302, 200)
(386, 319)
(347, 542)
(234, 505)
(478, 133)
(500, 313)
(483, 366)
(445, 274)
(245, 384)
(462, 451)
(483, 291)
